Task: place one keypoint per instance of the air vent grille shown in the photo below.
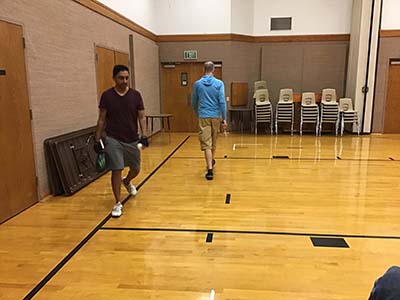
(283, 23)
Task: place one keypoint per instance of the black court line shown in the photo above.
(308, 234)
(295, 158)
(61, 264)
(209, 238)
(329, 242)
(228, 199)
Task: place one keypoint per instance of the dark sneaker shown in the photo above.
(209, 175)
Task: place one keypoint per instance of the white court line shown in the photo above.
(240, 145)
(212, 295)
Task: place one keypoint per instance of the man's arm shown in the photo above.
(101, 122)
(195, 100)
(222, 105)
(142, 123)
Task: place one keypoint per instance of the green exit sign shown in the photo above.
(190, 54)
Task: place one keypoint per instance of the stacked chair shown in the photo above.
(329, 109)
(348, 114)
(263, 108)
(260, 85)
(309, 111)
(285, 109)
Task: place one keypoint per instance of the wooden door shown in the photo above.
(177, 86)
(104, 67)
(177, 97)
(121, 58)
(392, 109)
(17, 177)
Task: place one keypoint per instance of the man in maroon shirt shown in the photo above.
(120, 109)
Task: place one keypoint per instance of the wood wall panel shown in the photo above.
(324, 67)
(304, 67)
(282, 67)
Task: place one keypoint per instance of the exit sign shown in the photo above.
(190, 54)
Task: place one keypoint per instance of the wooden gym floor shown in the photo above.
(246, 235)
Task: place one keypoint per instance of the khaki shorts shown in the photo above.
(208, 132)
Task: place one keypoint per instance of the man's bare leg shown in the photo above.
(131, 174)
(116, 184)
(208, 157)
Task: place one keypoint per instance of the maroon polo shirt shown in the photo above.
(122, 114)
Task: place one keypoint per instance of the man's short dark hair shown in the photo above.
(119, 68)
(208, 66)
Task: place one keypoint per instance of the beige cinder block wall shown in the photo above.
(60, 39)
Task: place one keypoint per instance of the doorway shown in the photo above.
(392, 108)
(18, 188)
(177, 85)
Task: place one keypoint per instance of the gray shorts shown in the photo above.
(120, 154)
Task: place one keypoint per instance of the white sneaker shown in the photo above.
(130, 188)
(117, 210)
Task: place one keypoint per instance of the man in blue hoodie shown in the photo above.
(208, 101)
(387, 287)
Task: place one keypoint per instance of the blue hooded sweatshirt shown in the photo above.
(388, 286)
(208, 98)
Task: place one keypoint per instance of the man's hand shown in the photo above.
(98, 147)
(224, 124)
(144, 141)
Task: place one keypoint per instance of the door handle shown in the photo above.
(2, 72)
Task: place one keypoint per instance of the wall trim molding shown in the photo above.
(193, 37)
(252, 39)
(303, 38)
(389, 33)
(107, 12)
